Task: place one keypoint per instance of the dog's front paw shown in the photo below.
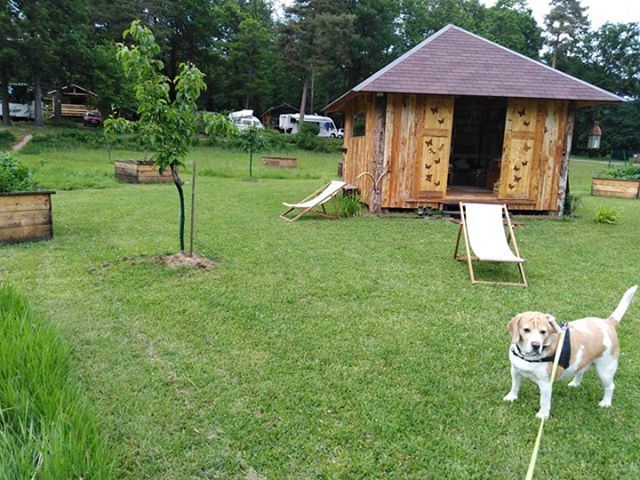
(604, 403)
(542, 415)
(511, 397)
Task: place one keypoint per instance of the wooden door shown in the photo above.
(521, 149)
(434, 147)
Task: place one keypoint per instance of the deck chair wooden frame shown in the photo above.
(502, 240)
(316, 202)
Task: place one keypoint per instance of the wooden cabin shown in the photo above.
(74, 100)
(460, 118)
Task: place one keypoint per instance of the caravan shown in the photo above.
(21, 101)
(289, 123)
(245, 119)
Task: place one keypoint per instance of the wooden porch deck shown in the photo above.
(456, 195)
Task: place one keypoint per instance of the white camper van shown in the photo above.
(21, 103)
(289, 123)
(245, 119)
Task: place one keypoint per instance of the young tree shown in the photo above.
(566, 25)
(165, 126)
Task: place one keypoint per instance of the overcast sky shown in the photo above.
(599, 11)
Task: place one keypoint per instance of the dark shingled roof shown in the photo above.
(455, 62)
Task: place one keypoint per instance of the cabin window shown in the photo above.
(359, 124)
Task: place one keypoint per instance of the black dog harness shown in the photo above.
(565, 353)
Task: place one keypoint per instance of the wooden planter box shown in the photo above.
(140, 171)
(280, 162)
(25, 216)
(614, 187)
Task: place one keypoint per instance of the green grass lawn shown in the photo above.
(320, 349)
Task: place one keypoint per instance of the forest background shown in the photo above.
(257, 55)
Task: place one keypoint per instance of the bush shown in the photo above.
(607, 215)
(350, 205)
(571, 203)
(273, 140)
(47, 430)
(76, 138)
(15, 177)
(6, 139)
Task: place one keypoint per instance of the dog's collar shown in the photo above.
(565, 354)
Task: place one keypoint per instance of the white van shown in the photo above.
(245, 119)
(289, 123)
(21, 103)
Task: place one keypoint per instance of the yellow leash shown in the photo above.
(536, 447)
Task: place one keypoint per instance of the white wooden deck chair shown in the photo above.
(315, 200)
(485, 236)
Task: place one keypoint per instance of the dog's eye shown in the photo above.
(543, 332)
(527, 330)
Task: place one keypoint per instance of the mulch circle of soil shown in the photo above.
(184, 260)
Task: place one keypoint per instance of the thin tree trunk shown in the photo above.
(57, 104)
(555, 51)
(178, 183)
(378, 153)
(193, 208)
(313, 88)
(37, 93)
(6, 114)
(303, 101)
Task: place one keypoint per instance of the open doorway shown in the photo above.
(476, 148)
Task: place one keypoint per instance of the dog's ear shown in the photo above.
(514, 328)
(553, 324)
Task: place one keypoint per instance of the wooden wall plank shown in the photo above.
(435, 147)
(519, 149)
(25, 218)
(9, 203)
(31, 232)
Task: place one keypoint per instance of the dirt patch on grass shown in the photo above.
(185, 260)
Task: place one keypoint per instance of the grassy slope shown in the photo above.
(321, 349)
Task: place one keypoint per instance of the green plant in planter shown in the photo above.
(607, 215)
(15, 177)
(166, 126)
(629, 172)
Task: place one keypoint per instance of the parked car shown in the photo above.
(340, 133)
(92, 118)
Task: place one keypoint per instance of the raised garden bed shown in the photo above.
(141, 171)
(25, 216)
(280, 162)
(615, 187)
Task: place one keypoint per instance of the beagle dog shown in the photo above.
(534, 341)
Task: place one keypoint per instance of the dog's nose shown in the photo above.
(535, 345)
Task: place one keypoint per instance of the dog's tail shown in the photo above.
(623, 305)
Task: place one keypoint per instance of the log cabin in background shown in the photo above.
(460, 118)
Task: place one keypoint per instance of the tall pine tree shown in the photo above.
(566, 26)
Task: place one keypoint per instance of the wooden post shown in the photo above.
(563, 182)
(378, 152)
